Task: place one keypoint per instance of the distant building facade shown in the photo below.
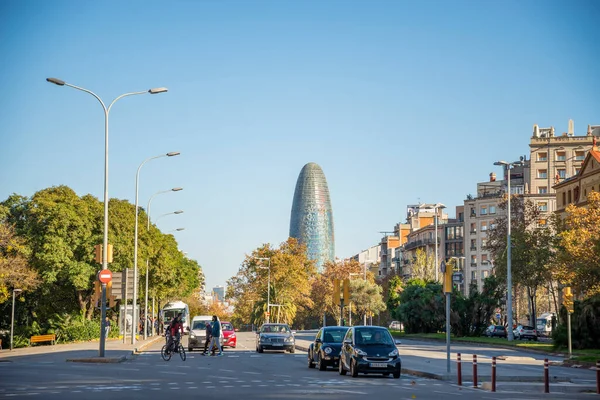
(311, 220)
(219, 293)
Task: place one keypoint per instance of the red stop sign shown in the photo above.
(105, 276)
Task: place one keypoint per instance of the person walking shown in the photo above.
(106, 327)
(208, 337)
(216, 335)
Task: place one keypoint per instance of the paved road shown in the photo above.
(240, 373)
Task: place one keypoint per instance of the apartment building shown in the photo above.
(453, 243)
(575, 190)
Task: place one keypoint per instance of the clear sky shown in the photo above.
(398, 102)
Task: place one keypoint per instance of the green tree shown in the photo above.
(423, 266)
(395, 290)
(366, 297)
(422, 306)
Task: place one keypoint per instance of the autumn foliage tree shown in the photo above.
(579, 248)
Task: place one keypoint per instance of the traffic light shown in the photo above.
(110, 253)
(98, 253)
(448, 284)
(568, 299)
(347, 290)
(336, 292)
(112, 300)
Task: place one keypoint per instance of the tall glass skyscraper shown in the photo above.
(311, 221)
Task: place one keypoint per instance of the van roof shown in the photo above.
(202, 318)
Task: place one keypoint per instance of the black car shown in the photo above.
(369, 349)
(275, 337)
(325, 350)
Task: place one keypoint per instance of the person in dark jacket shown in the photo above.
(208, 337)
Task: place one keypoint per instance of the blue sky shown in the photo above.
(398, 102)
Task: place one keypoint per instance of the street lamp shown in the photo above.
(12, 318)
(268, 286)
(135, 237)
(147, 266)
(105, 238)
(507, 167)
(435, 210)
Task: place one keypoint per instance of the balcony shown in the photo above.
(420, 243)
(473, 248)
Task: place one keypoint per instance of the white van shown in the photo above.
(543, 324)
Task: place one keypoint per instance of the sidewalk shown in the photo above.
(115, 351)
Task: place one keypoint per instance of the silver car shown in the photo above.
(275, 337)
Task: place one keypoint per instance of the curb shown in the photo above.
(539, 388)
(114, 360)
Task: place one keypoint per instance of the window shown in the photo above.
(459, 232)
(542, 189)
(483, 210)
(561, 156)
(483, 243)
(542, 174)
(473, 227)
(450, 233)
(473, 260)
(579, 155)
(492, 209)
(569, 196)
(562, 173)
(473, 212)
(542, 157)
(485, 274)
(542, 222)
(492, 225)
(564, 198)
(473, 275)
(484, 226)
(543, 206)
(577, 170)
(473, 244)
(484, 259)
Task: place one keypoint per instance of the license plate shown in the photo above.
(278, 344)
(378, 365)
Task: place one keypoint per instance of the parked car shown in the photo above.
(396, 325)
(275, 337)
(369, 350)
(496, 331)
(525, 332)
(229, 337)
(324, 351)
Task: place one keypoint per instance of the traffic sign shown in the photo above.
(498, 316)
(457, 277)
(105, 276)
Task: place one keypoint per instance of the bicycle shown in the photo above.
(176, 347)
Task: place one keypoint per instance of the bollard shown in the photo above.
(598, 377)
(459, 369)
(474, 370)
(546, 377)
(493, 374)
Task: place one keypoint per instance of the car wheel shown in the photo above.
(321, 364)
(397, 374)
(260, 349)
(341, 370)
(353, 369)
(311, 364)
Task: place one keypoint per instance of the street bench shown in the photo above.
(42, 338)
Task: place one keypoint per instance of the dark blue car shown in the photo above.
(325, 350)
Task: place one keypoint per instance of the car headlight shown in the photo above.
(327, 350)
(393, 353)
(360, 352)
(265, 339)
(192, 336)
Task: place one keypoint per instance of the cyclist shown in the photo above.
(175, 330)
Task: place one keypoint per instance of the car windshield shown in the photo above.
(199, 324)
(372, 336)
(275, 329)
(226, 326)
(334, 335)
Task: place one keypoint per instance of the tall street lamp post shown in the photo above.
(507, 168)
(105, 238)
(12, 318)
(268, 287)
(136, 315)
(435, 209)
(135, 241)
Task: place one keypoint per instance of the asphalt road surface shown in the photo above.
(240, 373)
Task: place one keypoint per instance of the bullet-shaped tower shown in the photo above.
(311, 219)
